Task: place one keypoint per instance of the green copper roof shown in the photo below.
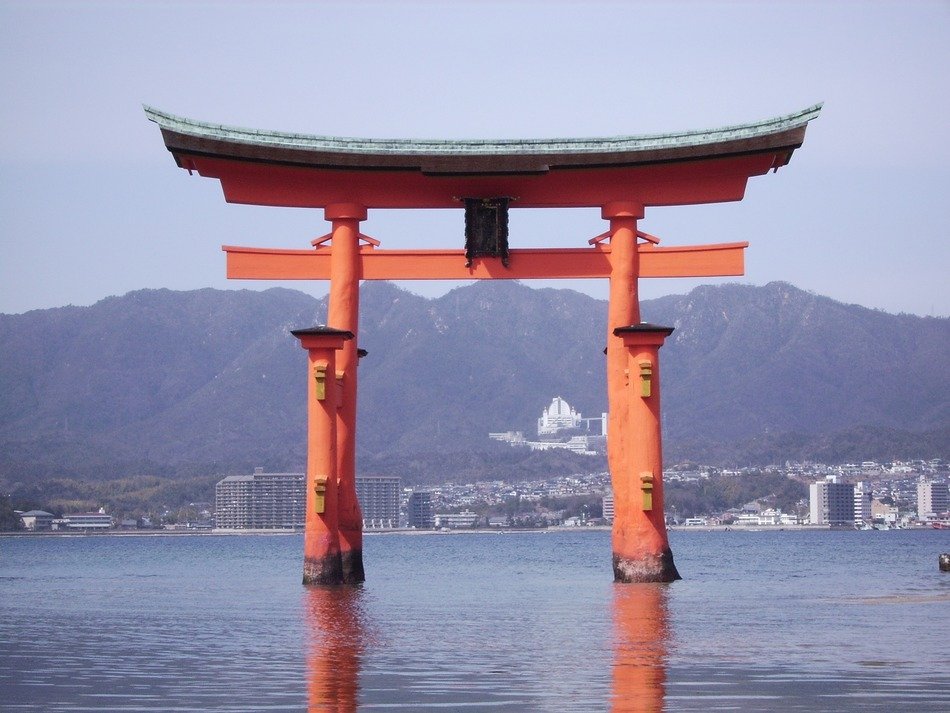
(221, 134)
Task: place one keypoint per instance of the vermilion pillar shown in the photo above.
(322, 562)
(641, 547)
(343, 313)
(623, 309)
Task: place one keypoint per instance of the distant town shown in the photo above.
(866, 495)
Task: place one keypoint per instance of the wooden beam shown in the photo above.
(718, 260)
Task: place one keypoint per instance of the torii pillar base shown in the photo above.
(641, 549)
(322, 560)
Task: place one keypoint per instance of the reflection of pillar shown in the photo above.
(641, 630)
(343, 313)
(336, 627)
(321, 550)
(641, 548)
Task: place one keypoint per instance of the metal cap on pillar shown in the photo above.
(321, 336)
(643, 333)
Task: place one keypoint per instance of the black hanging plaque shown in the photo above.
(486, 229)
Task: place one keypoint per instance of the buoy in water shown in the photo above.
(945, 562)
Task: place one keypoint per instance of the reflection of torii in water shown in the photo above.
(347, 177)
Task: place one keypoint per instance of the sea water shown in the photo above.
(762, 621)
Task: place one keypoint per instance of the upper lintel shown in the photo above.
(283, 169)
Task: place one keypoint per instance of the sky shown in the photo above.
(93, 205)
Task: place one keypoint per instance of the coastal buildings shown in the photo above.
(42, 521)
(885, 514)
(932, 500)
(456, 520)
(419, 510)
(767, 517)
(88, 520)
(831, 502)
(889, 498)
(260, 501)
(607, 506)
(863, 496)
(276, 501)
(37, 520)
(379, 501)
(555, 499)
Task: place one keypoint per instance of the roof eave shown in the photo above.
(187, 138)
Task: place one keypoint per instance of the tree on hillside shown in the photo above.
(9, 520)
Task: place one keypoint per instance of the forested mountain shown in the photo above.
(169, 382)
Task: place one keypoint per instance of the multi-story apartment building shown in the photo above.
(419, 510)
(277, 501)
(608, 506)
(379, 501)
(260, 501)
(863, 496)
(932, 499)
(831, 502)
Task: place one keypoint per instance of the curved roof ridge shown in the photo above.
(345, 145)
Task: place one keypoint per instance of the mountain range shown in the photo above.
(174, 382)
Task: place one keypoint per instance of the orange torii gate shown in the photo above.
(347, 177)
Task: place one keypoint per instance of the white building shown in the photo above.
(88, 520)
(608, 506)
(770, 517)
(577, 444)
(931, 499)
(515, 438)
(277, 501)
(888, 514)
(454, 520)
(260, 501)
(862, 502)
(558, 417)
(37, 520)
(379, 501)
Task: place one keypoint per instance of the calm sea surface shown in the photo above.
(832, 621)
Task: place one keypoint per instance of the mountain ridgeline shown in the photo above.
(169, 382)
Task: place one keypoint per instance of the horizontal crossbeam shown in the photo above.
(717, 260)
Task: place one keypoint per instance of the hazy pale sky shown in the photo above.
(92, 205)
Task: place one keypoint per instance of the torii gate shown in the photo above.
(347, 177)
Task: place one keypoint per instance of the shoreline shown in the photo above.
(476, 531)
